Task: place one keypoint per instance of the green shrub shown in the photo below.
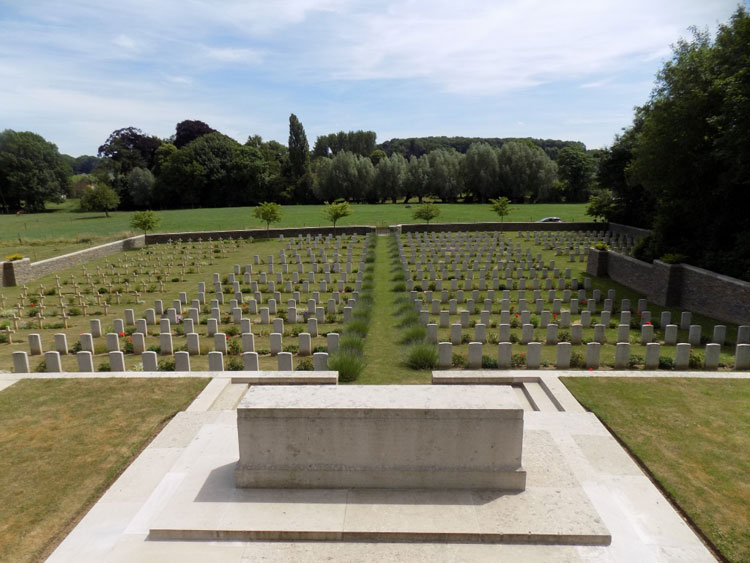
(235, 363)
(104, 366)
(230, 331)
(348, 363)
(357, 327)
(165, 365)
(601, 246)
(305, 364)
(352, 343)
(576, 360)
(665, 362)
(399, 276)
(489, 362)
(233, 348)
(41, 367)
(635, 360)
(14, 257)
(458, 360)
(695, 360)
(422, 356)
(518, 360)
(413, 334)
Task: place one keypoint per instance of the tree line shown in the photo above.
(199, 166)
(683, 167)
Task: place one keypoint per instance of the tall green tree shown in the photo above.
(141, 187)
(481, 171)
(692, 150)
(526, 173)
(416, 181)
(444, 178)
(576, 169)
(300, 189)
(32, 171)
(389, 177)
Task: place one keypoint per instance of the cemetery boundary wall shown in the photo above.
(679, 285)
(635, 232)
(162, 238)
(22, 271)
(493, 226)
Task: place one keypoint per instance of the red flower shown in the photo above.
(31, 304)
(523, 355)
(122, 334)
(648, 322)
(227, 336)
(130, 338)
(591, 369)
(554, 315)
(583, 302)
(517, 315)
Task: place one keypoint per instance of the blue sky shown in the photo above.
(75, 71)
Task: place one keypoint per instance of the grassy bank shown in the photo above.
(63, 442)
(694, 437)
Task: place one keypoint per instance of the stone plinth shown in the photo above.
(461, 437)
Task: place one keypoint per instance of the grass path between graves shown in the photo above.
(385, 356)
(693, 435)
(63, 442)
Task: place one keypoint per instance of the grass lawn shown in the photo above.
(694, 437)
(63, 442)
(63, 229)
(383, 353)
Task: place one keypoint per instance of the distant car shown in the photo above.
(550, 220)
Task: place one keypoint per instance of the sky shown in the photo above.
(77, 70)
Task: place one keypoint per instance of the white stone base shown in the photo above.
(383, 437)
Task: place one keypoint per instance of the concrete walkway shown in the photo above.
(182, 479)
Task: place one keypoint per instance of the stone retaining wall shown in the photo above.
(494, 226)
(161, 238)
(634, 232)
(21, 271)
(680, 285)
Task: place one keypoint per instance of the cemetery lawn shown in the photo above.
(693, 435)
(385, 356)
(63, 442)
(63, 229)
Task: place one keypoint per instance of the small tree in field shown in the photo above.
(100, 198)
(426, 211)
(145, 221)
(501, 206)
(268, 212)
(336, 210)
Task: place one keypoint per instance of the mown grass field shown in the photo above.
(63, 229)
(694, 437)
(63, 442)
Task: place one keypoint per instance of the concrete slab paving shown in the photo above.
(190, 462)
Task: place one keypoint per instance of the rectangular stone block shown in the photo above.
(457, 437)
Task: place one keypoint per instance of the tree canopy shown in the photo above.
(688, 149)
(32, 171)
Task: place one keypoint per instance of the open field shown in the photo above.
(63, 442)
(694, 437)
(63, 229)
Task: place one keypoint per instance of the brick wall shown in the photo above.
(679, 285)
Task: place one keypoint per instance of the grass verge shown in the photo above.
(63, 442)
(693, 435)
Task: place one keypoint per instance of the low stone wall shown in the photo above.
(494, 226)
(678, 285)
(634, 232)
(161, 238)
(22, 271)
